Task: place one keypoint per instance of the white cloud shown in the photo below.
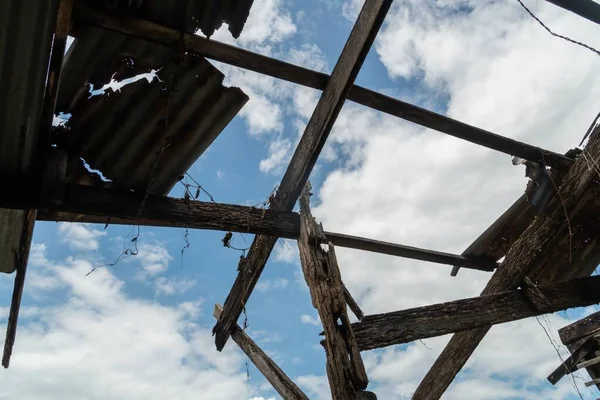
(404, 184)
(102, 343)
(286, 251)
(154, 258)
(266, 284)
(307, 319)
(169, 286)
(79, 236)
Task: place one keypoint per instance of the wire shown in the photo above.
(556, 34)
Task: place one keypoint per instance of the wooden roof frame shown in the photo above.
(86, 204)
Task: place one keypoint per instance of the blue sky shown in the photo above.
(142, 328)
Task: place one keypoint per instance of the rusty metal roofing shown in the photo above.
(189, 15)
(144, 132)
(25, 38)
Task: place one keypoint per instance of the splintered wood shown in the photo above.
(345, 368)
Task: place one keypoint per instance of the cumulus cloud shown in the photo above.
(307, 319)
(103, 343)
(154, 258)
(169, 286)
(405, 184)
(79, 236)
(266, 284)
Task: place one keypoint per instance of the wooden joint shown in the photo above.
(535, 296)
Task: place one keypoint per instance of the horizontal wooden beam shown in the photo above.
(245, 59)
(270, 370)
(580, 329)
(587, 9)
(381, 330)
(89, 204)
(414, 253)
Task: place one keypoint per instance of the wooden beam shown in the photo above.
(61, 30)
(587, 9)
(381, 330)
(345, 369)
(580, 329)
(317, 130)
(22, 258)
(352, 304)
(90, 204)
(270, 370)
(241, 58)
(570, 364)
(414, 253)
(578, 184)
(588, 363)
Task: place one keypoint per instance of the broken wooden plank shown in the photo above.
(578, 183)
(570, 364)
(317, 130)
(345, 369)
(90, 204)
(387, 329)
(241, 58)
(352, 304)
(270, 370)
(22, 258)
(588, 363)
(580, 329)
(377, 246)
(594, 382)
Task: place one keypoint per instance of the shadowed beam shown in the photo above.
(570, 365)
(245, 59)
(579, 186)
(88, 204)
(587, 9)
(271, 371)
(317, 130)
(381, 330)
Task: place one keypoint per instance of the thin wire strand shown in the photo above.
(556, 34)
(559, 355)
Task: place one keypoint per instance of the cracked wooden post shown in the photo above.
(345, 369)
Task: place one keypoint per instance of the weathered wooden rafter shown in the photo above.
(270, 370)
(282, 70)
(381, 330)
(571, 364)
(525, 257)
(317, 130)
(91, 204)
(345, 369)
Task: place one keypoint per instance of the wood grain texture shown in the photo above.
(352, 304)
(270, 370)
(523, 257)
(345, 369)
(580, 329)
(381, 330)
(279, 69)
(317, 130)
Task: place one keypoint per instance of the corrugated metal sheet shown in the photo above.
(26, 28)
(122, 133)
(189, 15)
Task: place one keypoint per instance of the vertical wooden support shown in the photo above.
(45, 155)
(271, 371)
(345, 368)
